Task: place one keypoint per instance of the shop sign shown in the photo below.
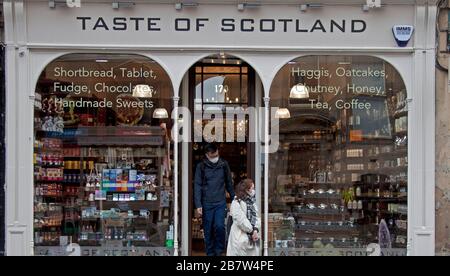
(161, 25)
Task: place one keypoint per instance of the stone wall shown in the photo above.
(442, 143)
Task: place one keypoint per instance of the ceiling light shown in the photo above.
(160, 113)
(143, 91)
(300, 91)
(283, 113)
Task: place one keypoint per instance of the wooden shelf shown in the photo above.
(132, 205)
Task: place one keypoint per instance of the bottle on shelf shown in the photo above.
(360, 205)
(350, 205)
(355, 205)
(170, 237)
(391, 191)
(116, 234)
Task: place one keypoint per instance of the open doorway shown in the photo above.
(217, 83)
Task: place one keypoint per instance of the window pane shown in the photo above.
(221, 70)
(102, 156)
(221, 89)
(339, 178)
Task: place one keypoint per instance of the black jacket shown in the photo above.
(211, 180)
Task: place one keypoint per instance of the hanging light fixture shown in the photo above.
(160, 113)
(143, 91)
(300, 91)
(283, 113)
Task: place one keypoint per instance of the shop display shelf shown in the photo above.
(391, 170)
(70, 195)
(77, 158)
(90, 219)
(148, 171)
(72, 183)
(47, 228)
(58, 181)
(393, 230)
(137, 243)
(40, 214)
(394, 153)
(49, 134)
(382, 199)
(51, 196)
(342, 216)
(132, 205)
(94, 243)
(321, 183)
(330, 185)
(368, 141)
(318, 212)
(400, 230)
(322, 196)
(71, 207)
(47, 244)
(46, 166)
(47, 150)
(324, 227)
(386, 212)
(401, 183)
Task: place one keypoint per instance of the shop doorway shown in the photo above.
(217, 84)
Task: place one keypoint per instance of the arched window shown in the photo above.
(102, 157)
(339, 178)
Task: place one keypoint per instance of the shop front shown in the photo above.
(329, 108)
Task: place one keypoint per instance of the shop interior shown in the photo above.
(339, 178)
(103, 153)
(219, 82)
(103, 157)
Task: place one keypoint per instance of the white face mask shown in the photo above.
(214, 160)
(252, 193)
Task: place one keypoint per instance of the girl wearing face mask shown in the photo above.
(244, 236)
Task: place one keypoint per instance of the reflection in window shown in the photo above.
(102, 157)
(339, 178)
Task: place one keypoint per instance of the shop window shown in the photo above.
(338, 182)
(102, 157)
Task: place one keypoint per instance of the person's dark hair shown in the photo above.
(242, 188)
(211, 148)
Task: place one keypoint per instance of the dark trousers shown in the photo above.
(214, 228)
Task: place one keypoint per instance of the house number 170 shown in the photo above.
(221, 89)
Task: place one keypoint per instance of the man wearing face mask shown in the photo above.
(212, 179)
